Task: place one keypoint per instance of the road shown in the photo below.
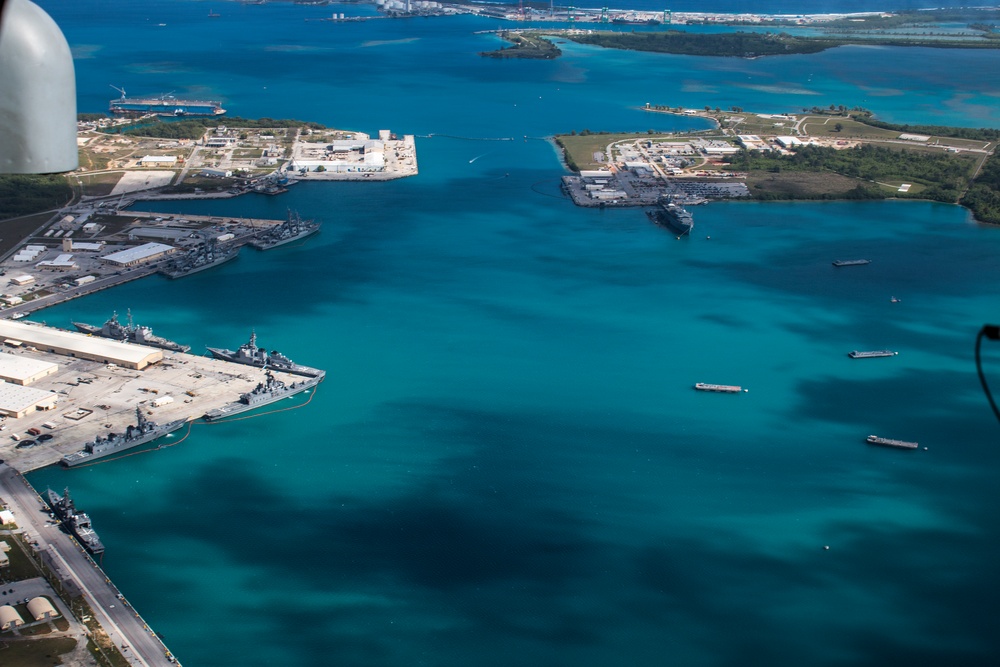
(120, 621)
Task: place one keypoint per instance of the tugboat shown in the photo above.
(292, 229)
(77, 523)
(139, 434)
(270, 390)
(251, 355)
(130, 333)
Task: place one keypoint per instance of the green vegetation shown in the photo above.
(24, 194)
(914, 17)
(980, 134)
(36, 652)
(943, 176)
(579, 149)
(90, 117)
(734, 44)
(983, 197)
(194, 128)
(525, 46)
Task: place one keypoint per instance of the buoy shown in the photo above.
(826, 547)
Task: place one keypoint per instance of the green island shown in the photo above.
(524, 45)
(832, 153)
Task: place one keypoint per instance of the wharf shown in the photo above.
(96, 399)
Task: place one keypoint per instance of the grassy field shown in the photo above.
(800, 185)
(97, 185)
(35, 653)
(580, 148)
(14, 230)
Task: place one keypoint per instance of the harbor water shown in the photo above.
(507, 462)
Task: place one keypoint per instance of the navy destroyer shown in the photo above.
(140, 433)
(248, 353)
(292, 229)
(130, 333)
(673, 216)
(270, 390)
(164, 105)
(200, 258)
(75, 522)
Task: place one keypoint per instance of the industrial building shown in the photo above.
(101, 350)
(18, 369)
(9, 618)
(141, 254)
(41, 609)
(158, 161)
(17, 401)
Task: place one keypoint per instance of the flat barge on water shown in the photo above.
(889, 442)
(871, 354)
(721, 388)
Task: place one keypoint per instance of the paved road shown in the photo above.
(116, 616)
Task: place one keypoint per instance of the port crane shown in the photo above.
(120, 90)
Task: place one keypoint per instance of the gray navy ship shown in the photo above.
(130, 333)
(251, 355)
(673, 216)
(270, 390)
(75, 522)
(292, 229)
(140, 433)
(204, 256)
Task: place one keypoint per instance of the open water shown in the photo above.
(507, 463)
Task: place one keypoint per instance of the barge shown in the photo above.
(890, 442)
(871, 354)
(722, 388)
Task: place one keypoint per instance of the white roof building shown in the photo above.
(9, 618)
(40, 608)
(788, 142)
(101, 350)
(63, 262)
(139, 254)
(22, 370)
(16, 401)
(157, 160)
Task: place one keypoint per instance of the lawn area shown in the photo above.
(15, 230)
(34, 653)
(97, 185)
(580, 148)
(799, 185)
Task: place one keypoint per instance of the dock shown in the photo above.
(721, 388)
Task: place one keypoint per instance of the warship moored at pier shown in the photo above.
(270, 390)
(165, 105)
(292, 229)
(199, 259)
(140, 433)
(249, 354)
(673, 216)
(130, 333)
(75, 522)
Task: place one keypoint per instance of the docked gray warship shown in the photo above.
(130, 333)
(77, 523)
(248, 353)
(270, 390)
(199, 258)
(140, 433)
(674, 216)
(292, 229)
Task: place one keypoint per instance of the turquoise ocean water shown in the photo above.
(507, 463)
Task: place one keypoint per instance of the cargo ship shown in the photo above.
(142, 432)
(270, 390)
(249, 354)
(165, 105)
(75, 522)
(889, 442)
(673, 216)
(870, 354)
(292, 229)
(130, 333)
(851, 262)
